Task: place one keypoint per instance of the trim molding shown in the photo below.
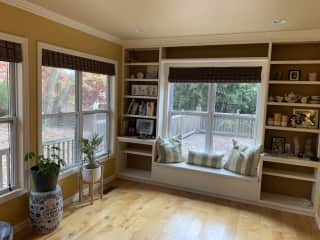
(225, 39)
(51, 15)
(75, 197)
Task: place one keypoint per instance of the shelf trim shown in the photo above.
(290, 160)
(142, 80)
(139, 116)
(312, 105)
(291, 129)
(136, 151)
(289, 174)
(295, 62)
(294, 82)
(142, 64)
(141, 97)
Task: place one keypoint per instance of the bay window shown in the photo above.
(75, 104)
(206, 113)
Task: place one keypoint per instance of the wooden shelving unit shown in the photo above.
(287, 181)
(135, 155)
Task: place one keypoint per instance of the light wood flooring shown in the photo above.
(142, 212)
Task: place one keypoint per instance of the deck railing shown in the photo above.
(224, 124)
(4, 167)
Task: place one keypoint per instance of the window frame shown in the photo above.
(19, 120)
(166, 92)
(79, 114)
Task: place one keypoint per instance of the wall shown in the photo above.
(37, 29)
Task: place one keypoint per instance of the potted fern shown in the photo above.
(91, 169)
(46, 171)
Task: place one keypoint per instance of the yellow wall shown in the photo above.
(34, 28)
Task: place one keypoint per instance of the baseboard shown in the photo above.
(255, 203)
(317, 217)
(74, 198)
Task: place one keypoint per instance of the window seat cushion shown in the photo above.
(210, 160)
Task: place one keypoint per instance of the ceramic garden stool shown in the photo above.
(6, 231)
(45, 210)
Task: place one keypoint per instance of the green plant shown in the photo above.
(46, 166)
(89, 148)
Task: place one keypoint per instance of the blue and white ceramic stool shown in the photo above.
(45, 210)
(6, 231)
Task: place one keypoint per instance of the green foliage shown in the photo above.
(235, 97)
(47, 166)
(4, 98)
(230, 97)
(89, 148)
(190, 96)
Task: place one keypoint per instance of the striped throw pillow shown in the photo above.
(243, 159)
(210, 160)
(169, 151)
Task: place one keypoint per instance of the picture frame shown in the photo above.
(278, 145)
(144, 90)
(144, 127)
(294, 75)
(306, 118)
(152, 90)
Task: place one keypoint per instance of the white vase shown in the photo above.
(91, 175)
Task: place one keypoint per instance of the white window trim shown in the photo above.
(217, 62)
(113, 100)
(22, 131)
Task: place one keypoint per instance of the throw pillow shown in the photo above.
(169, 151)
(210, 160)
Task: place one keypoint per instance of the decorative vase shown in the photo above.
(91, 175)
(45, 210)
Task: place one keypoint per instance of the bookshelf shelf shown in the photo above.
(286, 104)
(291, 129)
(294, 82)
(139, 116)
(141, 97)
(142, 80)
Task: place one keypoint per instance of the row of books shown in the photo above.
(142, 108)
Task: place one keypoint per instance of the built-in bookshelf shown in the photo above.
(289, 176)
(139, 101)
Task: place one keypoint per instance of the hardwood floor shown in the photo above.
(143, 212)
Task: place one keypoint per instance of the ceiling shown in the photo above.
(141, 19)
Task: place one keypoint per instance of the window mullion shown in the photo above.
(79, 117)
(208, 146)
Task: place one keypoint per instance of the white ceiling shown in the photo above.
(141, 19)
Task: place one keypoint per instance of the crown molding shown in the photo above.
(51, 15)
(224, 39)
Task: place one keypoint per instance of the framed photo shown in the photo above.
(294, 75)
(306, 118)
(144, 127)
(152, 91)
(278, 145)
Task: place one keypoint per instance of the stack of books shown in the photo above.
(142, 108)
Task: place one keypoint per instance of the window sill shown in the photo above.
(11, 195)
(76, 169)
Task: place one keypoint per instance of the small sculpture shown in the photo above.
(291, 97)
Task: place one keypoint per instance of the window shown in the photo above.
(75, 104)
(207, 116)
(8, 121)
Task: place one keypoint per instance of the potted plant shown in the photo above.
(91, 169)
(46, 171)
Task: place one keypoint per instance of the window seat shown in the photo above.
(222, 172)
(218, 182)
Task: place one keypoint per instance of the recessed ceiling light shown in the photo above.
(279, 21)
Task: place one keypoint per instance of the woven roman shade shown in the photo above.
(215, 74)
(62, 60)
(10, 51)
